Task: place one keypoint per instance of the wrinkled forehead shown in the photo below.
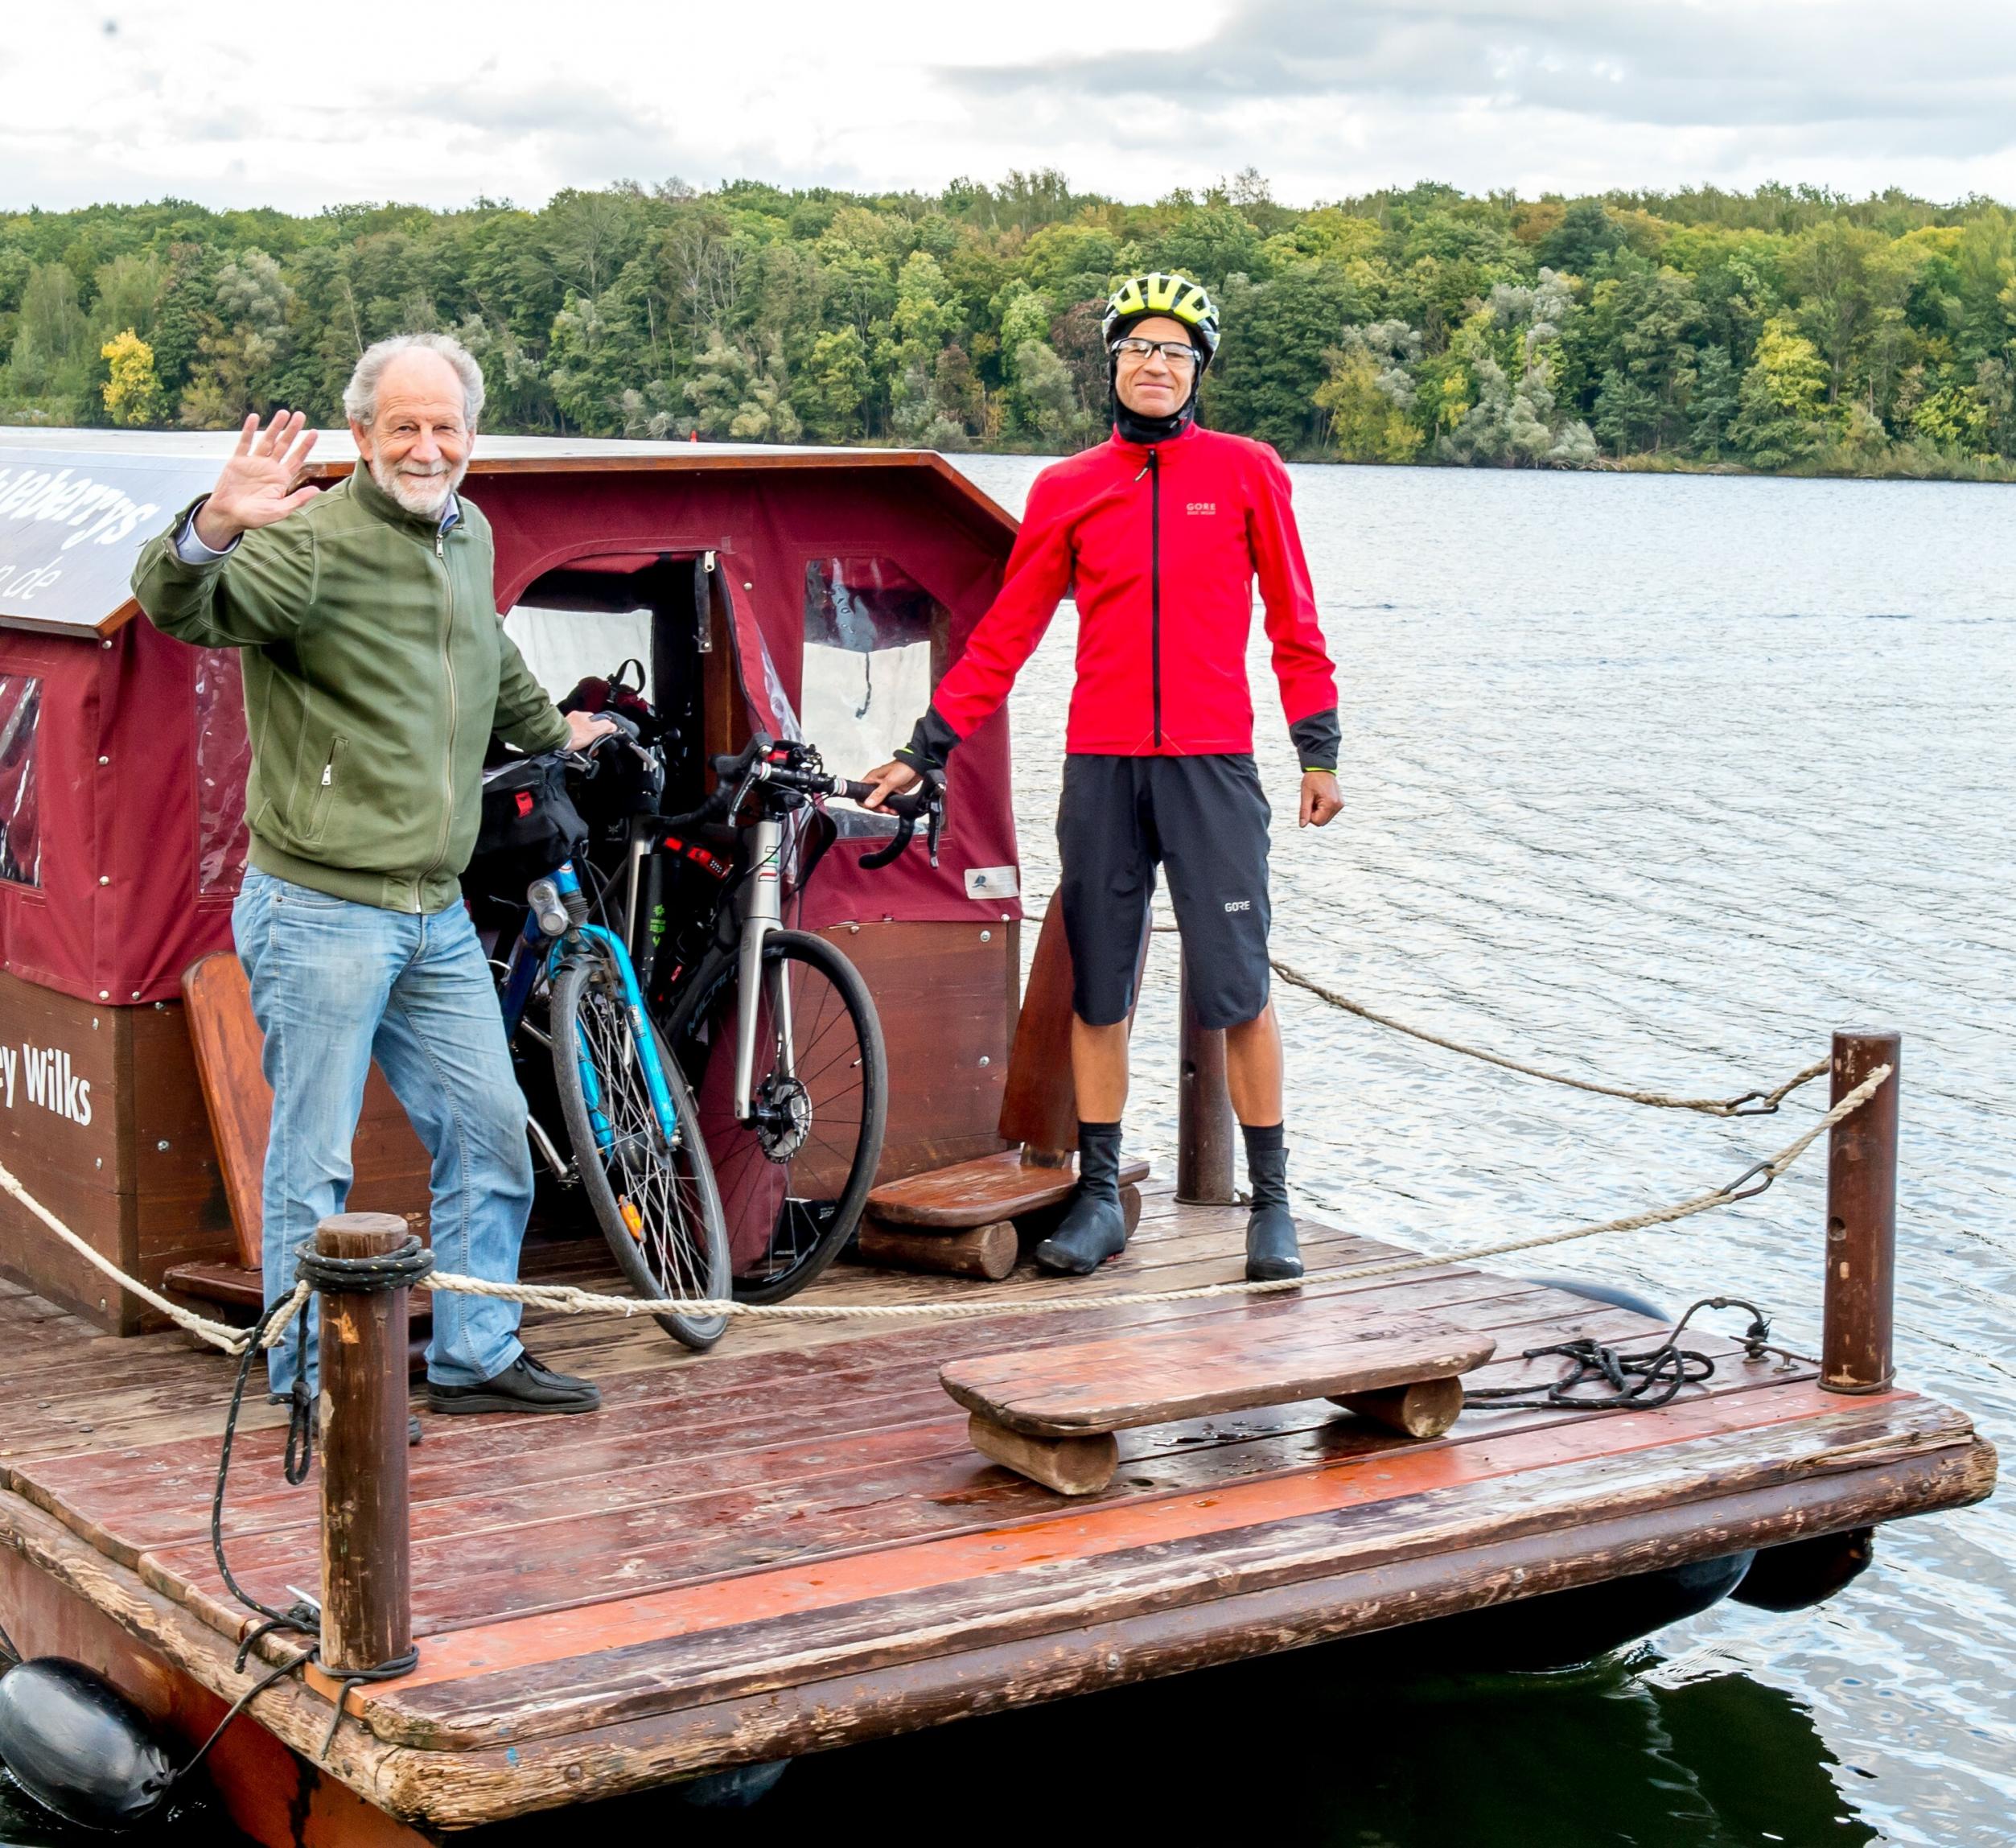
(420, 386)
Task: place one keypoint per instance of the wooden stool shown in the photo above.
(1051, 1414)
(968, 1220)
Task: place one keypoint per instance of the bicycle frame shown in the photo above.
(761, 913)
(534, 952)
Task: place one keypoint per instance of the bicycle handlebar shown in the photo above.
(752, 764)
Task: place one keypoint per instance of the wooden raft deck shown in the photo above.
(788, 1543)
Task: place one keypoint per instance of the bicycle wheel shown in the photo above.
(655, 1201)
(795, 1178)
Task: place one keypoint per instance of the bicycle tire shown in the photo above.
(674, 1242)
(807, 1229)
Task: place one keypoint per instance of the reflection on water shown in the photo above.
(1655, 778)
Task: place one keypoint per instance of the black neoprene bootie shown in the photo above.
(1272, 1254)
(1094, 1227)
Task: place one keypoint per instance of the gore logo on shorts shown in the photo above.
(1239, 904)
(1201, 507)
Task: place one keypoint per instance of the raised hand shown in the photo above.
(257, 486)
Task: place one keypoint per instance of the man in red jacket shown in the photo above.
(1162, 531)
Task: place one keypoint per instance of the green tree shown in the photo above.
(1779, 420)
(831, 389)
(51, 338)
(1714, 402)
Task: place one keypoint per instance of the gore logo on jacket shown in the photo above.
(1164, 545)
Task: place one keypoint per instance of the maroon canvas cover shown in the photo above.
(136, 824)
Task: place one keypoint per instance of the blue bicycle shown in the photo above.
(630, 1117)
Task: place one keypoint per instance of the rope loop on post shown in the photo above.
(377, 1276)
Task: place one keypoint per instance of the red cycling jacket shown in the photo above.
(1163, 545)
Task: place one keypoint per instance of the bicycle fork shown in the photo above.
(763, 912)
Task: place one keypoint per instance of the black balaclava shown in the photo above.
(1149, 430)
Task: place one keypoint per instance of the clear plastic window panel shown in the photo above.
(874, 640)
(20, 800)
(224, 756)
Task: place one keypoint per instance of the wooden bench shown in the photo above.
(1051, 1413)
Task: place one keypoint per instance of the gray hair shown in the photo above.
(360, 396)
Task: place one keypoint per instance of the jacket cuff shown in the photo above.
(1319, 740)
(189, 546)
(932, 742)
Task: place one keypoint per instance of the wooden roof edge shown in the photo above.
(704, 459)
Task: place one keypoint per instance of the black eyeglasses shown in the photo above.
(1178, 355)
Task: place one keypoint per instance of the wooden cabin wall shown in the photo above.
(114, 1141)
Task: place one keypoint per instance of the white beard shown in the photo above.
(424, 492)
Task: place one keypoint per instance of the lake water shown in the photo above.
(1658, 781)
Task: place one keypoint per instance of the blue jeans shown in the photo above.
(334, 986)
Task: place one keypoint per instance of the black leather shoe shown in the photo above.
(525, 1385)
(412, 1431)
(1274, 1255)
(1094, 1227)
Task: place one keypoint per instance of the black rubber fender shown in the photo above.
(1615, 1295)
(1803, 1573)
(1565, 1629)
(79, 1747)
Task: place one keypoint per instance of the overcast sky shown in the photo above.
(301, 107)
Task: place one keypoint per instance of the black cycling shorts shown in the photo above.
(1205, 819)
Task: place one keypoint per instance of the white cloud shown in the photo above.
(305, 108)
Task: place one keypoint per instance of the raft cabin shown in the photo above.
(825, 1529)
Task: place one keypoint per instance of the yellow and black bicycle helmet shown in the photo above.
(1160, 293)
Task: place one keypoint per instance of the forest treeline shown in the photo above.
(1785, 329)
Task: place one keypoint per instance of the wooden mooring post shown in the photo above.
(1862, 1221)
(366, 1587)
(1204, 1134)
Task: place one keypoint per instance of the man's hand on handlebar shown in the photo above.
(894, 778)
(586, 730)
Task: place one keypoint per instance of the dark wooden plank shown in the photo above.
(1039, 1107)
(1311, 1350)
(391, 1167)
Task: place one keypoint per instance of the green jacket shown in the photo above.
(376, 670)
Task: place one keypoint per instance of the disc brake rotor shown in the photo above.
(783, 1118)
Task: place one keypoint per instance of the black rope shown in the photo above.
(239, 1705)
(377, 1276)
(361, 1678)
(341, 1276)
(1635, 1382)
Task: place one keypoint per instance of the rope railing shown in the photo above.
(1749, 1104)
(570, 1300)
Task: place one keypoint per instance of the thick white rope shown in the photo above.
(569, 1300)
(218, 1334)
(1758, 1103)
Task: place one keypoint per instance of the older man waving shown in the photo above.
(376, 671)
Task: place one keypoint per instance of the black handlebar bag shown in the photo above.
(530, 824)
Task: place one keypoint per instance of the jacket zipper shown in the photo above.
(1155, 587)
(448, 761)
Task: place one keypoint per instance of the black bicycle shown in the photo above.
(774, 1028)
